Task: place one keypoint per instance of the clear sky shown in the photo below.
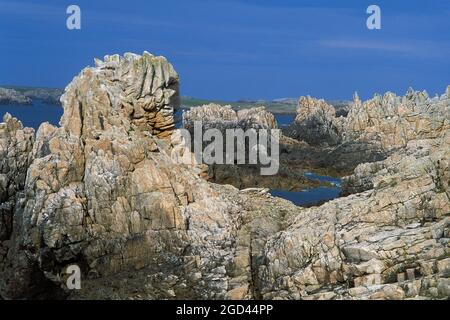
(237, 49)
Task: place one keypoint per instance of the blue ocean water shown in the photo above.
(308, 197)
(314, 195)
(33, 115)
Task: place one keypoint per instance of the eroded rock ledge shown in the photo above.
(104, 192)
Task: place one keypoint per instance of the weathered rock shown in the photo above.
(103, 191)
(397, 225)
(224, 117)
(16, 143)
(316, 123)
(372, 130)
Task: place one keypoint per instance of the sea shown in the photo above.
(312, 196)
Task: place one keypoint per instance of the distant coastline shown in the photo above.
(27, 95)
(21, 95)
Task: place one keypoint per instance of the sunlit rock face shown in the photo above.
(389, 238)
(133, 92)
(224, 117)
(103, 191)
(373, 129)
(392, 121)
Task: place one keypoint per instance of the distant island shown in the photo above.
(26, 95)
(10, 95)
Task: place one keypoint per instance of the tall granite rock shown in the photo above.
(103, 191)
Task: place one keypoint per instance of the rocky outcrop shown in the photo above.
(103, 192)
(16, 144)
(372, 130)
(389, 238)
(316, 123)
(143, 91)
(224, 117)
(11, 96)
(388, 242)
(391, 121)
(290, 176)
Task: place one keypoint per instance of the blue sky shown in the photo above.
(237, 49)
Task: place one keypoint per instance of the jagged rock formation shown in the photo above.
(142, 91)
(11, 96)
(316, 123)
(372, 130)
(391, 241)
(15, 157)
(105, 191)
(244, 176)
(390, 238)
(224, 117)
(391, 121)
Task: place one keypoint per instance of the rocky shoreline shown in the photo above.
(104, 192)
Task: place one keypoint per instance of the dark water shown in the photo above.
(308, 197)
(284, 120)
(314, 195)
(33, 115)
